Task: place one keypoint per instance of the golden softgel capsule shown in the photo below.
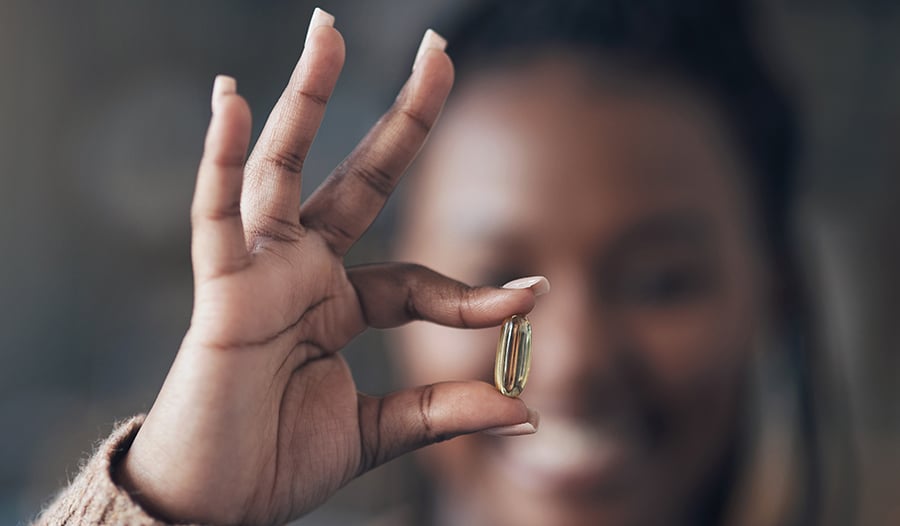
(513, 355)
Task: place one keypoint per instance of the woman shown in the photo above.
(640, 160)
(636, 155)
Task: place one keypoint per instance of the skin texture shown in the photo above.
(259, 420)
(625, 191)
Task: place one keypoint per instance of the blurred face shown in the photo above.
(626, 194)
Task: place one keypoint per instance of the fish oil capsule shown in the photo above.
(513, 355)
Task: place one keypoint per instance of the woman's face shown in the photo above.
(627, 195)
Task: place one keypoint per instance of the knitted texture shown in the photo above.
(93, 498)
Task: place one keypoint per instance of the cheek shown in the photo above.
(695, 347)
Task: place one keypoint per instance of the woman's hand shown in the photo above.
(259, 420)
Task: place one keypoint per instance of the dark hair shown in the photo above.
(711, 45)
(705, 42)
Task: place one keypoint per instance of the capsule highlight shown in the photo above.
(513, 356)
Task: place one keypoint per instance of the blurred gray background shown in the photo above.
(103, 107)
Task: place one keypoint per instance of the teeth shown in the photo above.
(562, 446)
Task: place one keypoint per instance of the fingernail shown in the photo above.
(431, 40)
(529, 427)
(223, 85)
(320, 18)
(539, 285)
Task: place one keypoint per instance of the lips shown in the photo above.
(566, 456)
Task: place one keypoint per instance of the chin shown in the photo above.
(566, 474)
(508, 509)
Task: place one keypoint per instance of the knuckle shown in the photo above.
(410, 309)
(284, 160)
(411, 276)
(419, 121)
(371, 450)
(426, 396)
(231, 210)
(276, 229)
(336, 234)
(374, 177)
(314, 98)
(467, 304)
(224, 159)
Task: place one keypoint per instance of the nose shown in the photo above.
(573, 345)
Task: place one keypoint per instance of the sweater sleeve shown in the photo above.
(92, 497)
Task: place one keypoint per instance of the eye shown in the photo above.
(665, 287)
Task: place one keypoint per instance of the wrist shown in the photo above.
(127, 476)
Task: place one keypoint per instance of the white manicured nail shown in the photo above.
(223, 85)
(538, 284)
(512, 431)
(431, 40)
(320, 18)
(525, 428)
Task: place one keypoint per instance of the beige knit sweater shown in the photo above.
(93, 498)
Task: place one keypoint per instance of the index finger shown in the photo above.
(344, 206)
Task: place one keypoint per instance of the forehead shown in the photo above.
(524, 149)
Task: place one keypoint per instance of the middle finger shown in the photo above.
(270, 202)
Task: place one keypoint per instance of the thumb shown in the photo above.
(407, 420)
